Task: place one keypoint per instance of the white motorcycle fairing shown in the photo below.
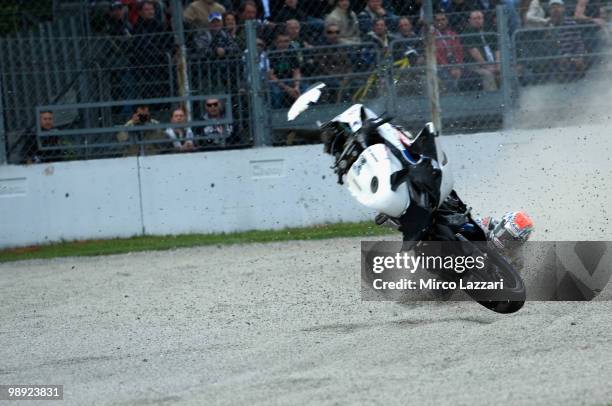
(353, 118)
(369, 178)
(369, 181)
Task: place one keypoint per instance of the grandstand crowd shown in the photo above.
(465, 34)
(340, 42)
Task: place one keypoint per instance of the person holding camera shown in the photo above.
(140, 141)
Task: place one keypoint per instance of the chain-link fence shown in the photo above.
(563, 74)
(110, 78)
(74, 85)
(387, 71)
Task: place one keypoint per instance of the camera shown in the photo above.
(143, 118)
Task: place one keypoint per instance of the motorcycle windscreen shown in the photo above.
(310, 96)
(369, 181)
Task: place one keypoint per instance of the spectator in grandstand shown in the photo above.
(116, 23)
(448, 52)
(331, 35)
(141, 117)
(197, 13)
(379, 35)
(523, 6)
(457, 13)
(265, 9)
(47, 125)
(290, 11)
(151, 44)
(347, 22)
(374, 10)
(147, 22)
(182, 137)
(480, 47)
(134, 10)
(264, 61)
(335, 63)
(285, 74)
(218, 52)
(410, 45)
(248, 12)
(408, 54)
(47, 121)
(405, 29)
(215, 133)
(302, 47)
(215, 43)
(229, 25)
(566, 42)
(536, 15)
(593, 13)
(293, 28)
(487, 8)
(412, 9)
(589, 12)
(116, 61)
(26, 146)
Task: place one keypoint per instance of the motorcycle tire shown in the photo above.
(514, 291)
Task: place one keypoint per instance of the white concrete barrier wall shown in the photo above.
(563, 177)
(69, 201)
(263, 188)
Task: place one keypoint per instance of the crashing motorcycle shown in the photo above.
(407, 180)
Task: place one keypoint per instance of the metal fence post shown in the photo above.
(433, 90)
(388, 70)
(181, 66)
(506, 71)
(3, 157)
(259, 117)
(83, 94)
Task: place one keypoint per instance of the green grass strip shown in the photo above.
(156, 243)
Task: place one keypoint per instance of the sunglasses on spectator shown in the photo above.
(333, 32)
(212, 104)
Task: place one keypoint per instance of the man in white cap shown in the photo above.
(566, 42)
(216, 43)
(197, 13)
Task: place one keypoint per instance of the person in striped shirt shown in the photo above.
(567, 40)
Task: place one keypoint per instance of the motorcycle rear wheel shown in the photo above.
(514, 291)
